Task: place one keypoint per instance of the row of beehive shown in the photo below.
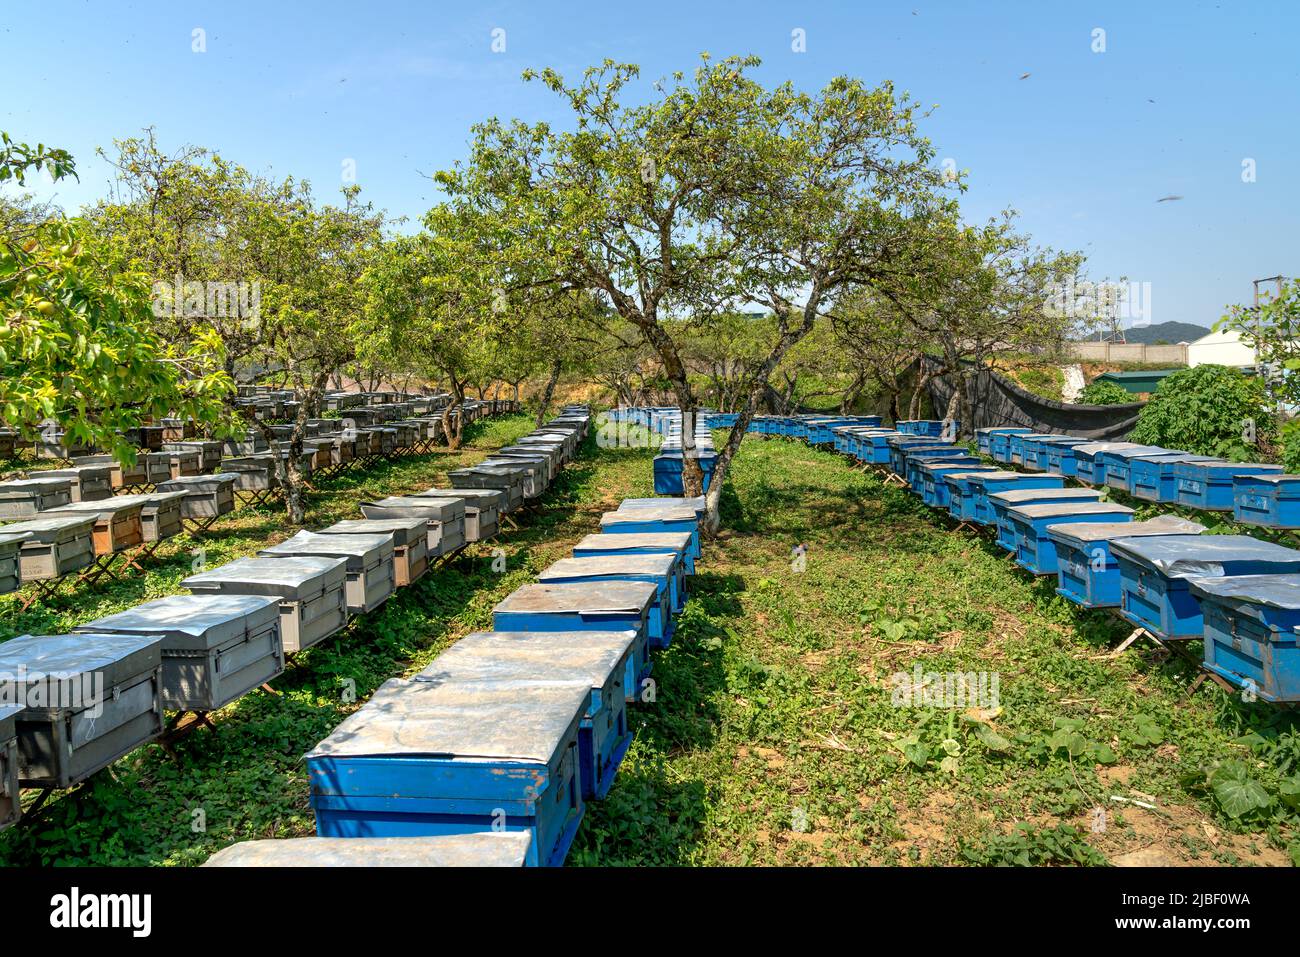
(71, 704)
(63, 520)
(1239, 594)
(489, 755)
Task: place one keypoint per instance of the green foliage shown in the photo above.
(1273, 329)
(1290, 441)
(1207, 410)
(1028, 846)
(1104, 392)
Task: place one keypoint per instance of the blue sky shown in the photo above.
(1083, 147)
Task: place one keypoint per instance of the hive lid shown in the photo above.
(663, 501)
(9, 537)
(1273, 478)
(1276, 591)
(1053, 509)
(485, 497)
(666, 513)
(363, 549)
(1001, 474)
(46, 670)
(99, 508)
(401, 529)
(25, 488)
(1245, 468)
(1083, 532)
(580, 597)
(1090, 449)
(46, 530)
(1135, 451)
(532, 657)
(658, 565)
(439, 509)
(197, 483)
(192, 622)
(290, 577)
(1186, 556)
(473, 720)
(484, 849)
(632, 541)
(152, 498)
(1018, 496)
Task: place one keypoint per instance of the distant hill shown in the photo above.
(1171, 332)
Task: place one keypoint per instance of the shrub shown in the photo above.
(1104, 392)
(1206, 410)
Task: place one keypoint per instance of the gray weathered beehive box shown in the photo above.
(253, 473)
(480, 520)
(509, 482)
(215, 648)
(313, 604)
(533, 473)
(89, 699)
(89, 482)
(410, 536)
(446, 518)
(117, 522)
(160, 514)
(11, 544)
(248, 443)
(549, 459)
(482, 849)
(10, 805)
(370, 578)
(209, 451)
(24, 498)
(120, 474)
(54, 546)
(158, 466)
(183, 462)
(206, 496)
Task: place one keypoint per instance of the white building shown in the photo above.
(1221, 347)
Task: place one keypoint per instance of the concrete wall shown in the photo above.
(1173, 355)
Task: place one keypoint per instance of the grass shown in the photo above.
(774, 737)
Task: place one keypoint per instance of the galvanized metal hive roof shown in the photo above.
(470, 720)
(286, 576)
(1083, 532)
(610, 565)
(1186, 556)
(582, 597)
(191, 622)
(485, 849)
(1276, 591)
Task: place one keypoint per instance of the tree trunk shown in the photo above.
(545, 402)
(450, 433)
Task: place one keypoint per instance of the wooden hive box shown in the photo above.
(10, 806)
(313, 602)
(121, 475)
(11, 544)
(25, 498)
(90, 483)
(54, 546)
(410, 536)
(370, 576)
(117, 522)
(209, 451)
(206, 496)
(425, 759)
(160, 514)
(101, 695)
(215, 648)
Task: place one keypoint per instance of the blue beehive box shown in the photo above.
(1088, 467)
(1088, 572)
(664, 501)
(423, 758)
(1016, 445)
(1271, 500)
(659, 570)
(932, 488)
(596, 658)
(1000, 444)
(1035, 550)
(1250, 629)
(1060, 453)
(1154, 572)
(648, 543)
(1152, 478)
(897, 443)
(668, 518)
(589, 606)
(1209, 485)
(962, 492)
(876, 446)
(914, 456)
(988, 483)
(1111, 467)
(668, 470)
(1033, 451)
(999, 502)
(984, 437)
(932, 428)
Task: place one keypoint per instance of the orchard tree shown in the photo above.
(78, 348)
(1272, 329)
(715, 195)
